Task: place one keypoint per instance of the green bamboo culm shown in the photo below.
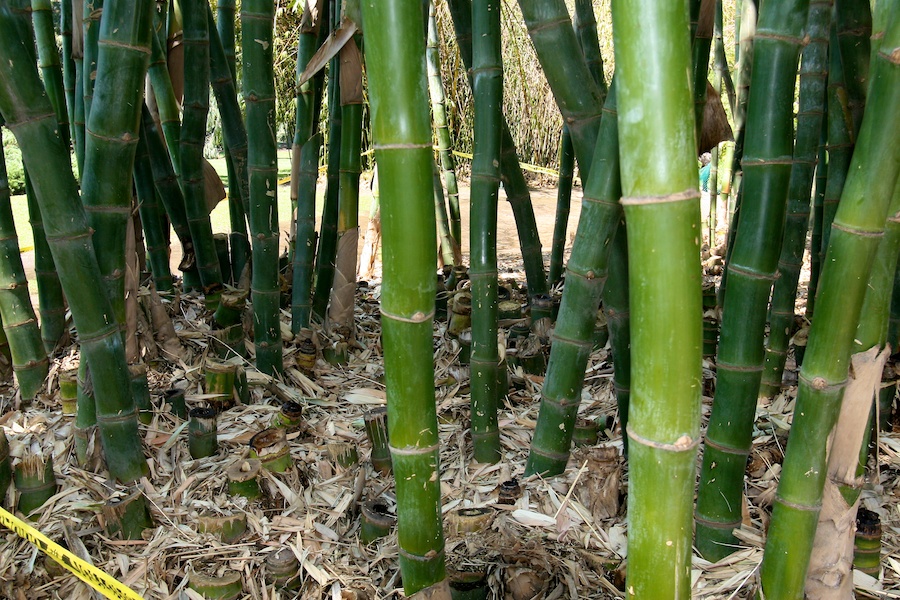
(258, 22)
(166, 103)
(563, 204)
(237, 189)
(818, 203)
(68, 64)
(92, 14)
(514, 184)
(29, 359)
(153, 220)
(842, 136)
(487, 79)
(78, 100)
(700, 48)
(662, 211)
(49, 64)
(51, 301)
(855, 237)
(586, 274)
(766, 162)
(618, 319)
(451, 253)
(401, 129)
(343, 293)
(813, 76)
(193, 137)
(853, 24)
(442, 129)
(112, 134)
(306, 172)
(31, 118)
(325, 255)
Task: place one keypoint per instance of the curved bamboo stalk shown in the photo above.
(662, 212)
(166, 102)
(855, 236)
(813, 76)
(751, 271)
(585, 278)
(487, 80)
(32, 120)
(563, 205)
(397, 83)
(193, 136)
(29, 359)
(258, 22)
(49, 64)
(439, 114)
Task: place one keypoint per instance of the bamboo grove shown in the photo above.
(112, 121)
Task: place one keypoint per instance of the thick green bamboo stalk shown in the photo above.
(487, 80)
(92, 13)
(855, 237)
(32, 120)
(166, 103)
(152, 217)
(340, 308)
(585, 24)
(257, 22)
(193, 137)
(112, 132)
(563, 202)
(49, 64)
(514, 184)
(29, 359)
(813, 76)
(439, 115)
(578, 98)
(68, 64)
(238, 191)
(51, 302)
(853, 19)
(751, 271)
(402, 132)
(306, 173)
(662, 210)
(585, 278)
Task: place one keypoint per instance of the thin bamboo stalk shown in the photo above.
(91, 21)
(29, 359)
(662, 211)
(78, 118)
(49, 64)
(818, 202)
(51, 301)
(563, 205)
(68, 64)
(166, 102)
(152, 217)
(813, 79)
(402, 132)
(193, 136)
(751, 271)
(855, 237)
(439, 115)
(257, 21)
(31, 119)
(618, 320)
(702, 42)
(853, 19)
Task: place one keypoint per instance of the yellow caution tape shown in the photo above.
(88, 573)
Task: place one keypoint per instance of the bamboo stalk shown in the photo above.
(78, 118)
(49, 64)
(751, 271)
(68, 64)
(663, 216)
(813, 76)
(35, 482)
(563, 200)
(166, 102)
(152, 217)
(855, 237)
(91, 21)
(853, 20)
(402, 133)
(193, 136)
(818, 203)
(32, 120)
(257, 21)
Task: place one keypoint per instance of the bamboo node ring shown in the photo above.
(683, 444)
(690, 194)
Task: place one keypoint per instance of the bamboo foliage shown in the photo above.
(855, 236)
(402, 132)
(257, 21)
(767, 165)
(663, 218)
(31, 118)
